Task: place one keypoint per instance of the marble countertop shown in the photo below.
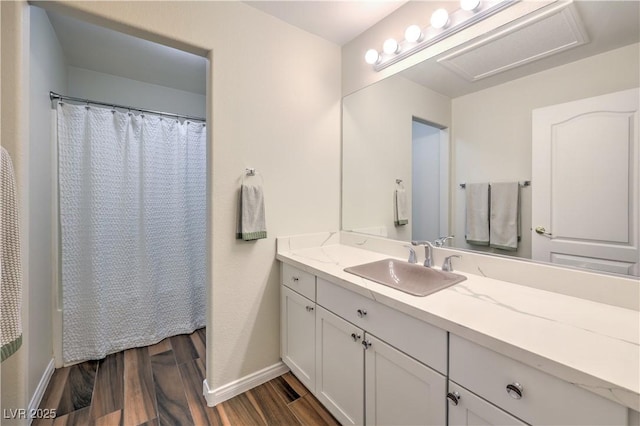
(593, 345)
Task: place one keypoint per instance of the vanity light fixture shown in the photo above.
(413, 34)
(469, 5)
(372, 57)
(390, 46)
(440, 18)
(443, 25)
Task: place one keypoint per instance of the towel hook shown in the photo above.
(251, 172)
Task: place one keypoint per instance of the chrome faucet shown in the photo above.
(439, 242)
(446, 266)
(412, 255)
(428, 260)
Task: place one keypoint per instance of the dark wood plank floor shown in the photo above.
(162, 385)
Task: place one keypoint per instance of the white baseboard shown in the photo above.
(36, 399)
(228, 391)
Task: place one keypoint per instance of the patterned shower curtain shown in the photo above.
(132, 194)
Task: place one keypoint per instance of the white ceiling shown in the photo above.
(336, 21)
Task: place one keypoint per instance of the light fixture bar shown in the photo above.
(459, 20)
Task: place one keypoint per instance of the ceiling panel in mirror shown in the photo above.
(483, 129)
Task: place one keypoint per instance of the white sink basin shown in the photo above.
(408, 277)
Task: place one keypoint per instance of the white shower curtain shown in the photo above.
(132, 194)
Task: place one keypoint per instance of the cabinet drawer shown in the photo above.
(545, 399)
(299, 281)
(472, 410)
(422, 341)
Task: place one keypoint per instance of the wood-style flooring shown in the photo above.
(162, 385)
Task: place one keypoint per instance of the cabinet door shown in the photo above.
(473, 410)
(399, 390)
(339, 367)
(298, 338)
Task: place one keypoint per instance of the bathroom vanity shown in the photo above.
(481, 351)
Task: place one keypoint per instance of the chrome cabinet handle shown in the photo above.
(514, 390)
(355, 337)
(361, 313)
(309, 308)
(367, 344)
(454, 397)
(295, 279)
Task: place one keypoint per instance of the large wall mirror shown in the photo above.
(566, 121)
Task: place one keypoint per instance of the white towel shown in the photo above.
(11, 268)
(252, 223)
(505, 215)
(400, 212)
(477, 204)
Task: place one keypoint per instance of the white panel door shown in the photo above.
(298, 337)
(466, 409)
(399, 390)
(585, 183)
(339, 367)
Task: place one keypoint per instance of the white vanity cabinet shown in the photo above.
(353, 361)
(298, 325)
(524, 392)
(343, 346)
(412, 372)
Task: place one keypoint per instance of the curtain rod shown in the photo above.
(53, 95)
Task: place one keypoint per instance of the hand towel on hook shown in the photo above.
(400, 207)
(251, 221)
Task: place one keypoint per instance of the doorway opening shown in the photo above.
(429, 189)
(82, 60)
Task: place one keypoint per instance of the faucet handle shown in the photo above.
(446, 266)
(439, 242)
(428, 261)
(412, 254)
(421, 243)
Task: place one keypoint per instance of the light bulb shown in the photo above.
(390, 46)
(469, 5)
(440, 18)
(413, 34)
(372, 57)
